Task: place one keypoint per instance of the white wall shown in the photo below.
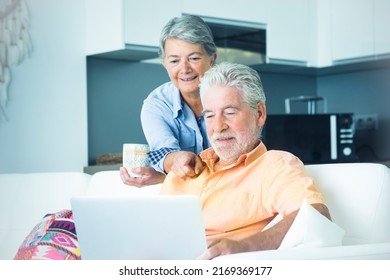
(46, 128)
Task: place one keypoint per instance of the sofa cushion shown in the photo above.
(53, 238)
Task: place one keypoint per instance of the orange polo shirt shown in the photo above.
(242, 198)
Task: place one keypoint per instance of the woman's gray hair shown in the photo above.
(238, 76)
(191, 29)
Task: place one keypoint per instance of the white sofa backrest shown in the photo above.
(358, 198)
(357, 195)
(109, 183)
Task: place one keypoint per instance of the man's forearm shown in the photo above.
(272, 238)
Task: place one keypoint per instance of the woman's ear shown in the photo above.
(213, 59)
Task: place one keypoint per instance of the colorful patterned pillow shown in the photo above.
(53, 238)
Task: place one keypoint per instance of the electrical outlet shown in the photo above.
(366, 122)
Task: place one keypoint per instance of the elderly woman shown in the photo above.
(171, 116)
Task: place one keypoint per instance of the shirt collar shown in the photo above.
(177, 103)
(210, 157)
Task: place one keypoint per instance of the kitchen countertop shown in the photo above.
(92, 169)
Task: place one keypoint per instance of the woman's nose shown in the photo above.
(185, 66)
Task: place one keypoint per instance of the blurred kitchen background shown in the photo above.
(78, 94)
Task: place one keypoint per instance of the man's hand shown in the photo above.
(149, 176)
(184, 164)
(224, 247)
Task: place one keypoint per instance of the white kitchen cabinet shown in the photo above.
(286, 23)
(144, 20)
(382, 27)
(116, 26)
(360, 29)
(315, 33)
(104, 26)
(245, 10)
(352, 29)
(320, 30)
(288, 31)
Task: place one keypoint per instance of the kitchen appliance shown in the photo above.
(314, 138)
(311, 102)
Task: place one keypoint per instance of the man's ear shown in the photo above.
(261, 113)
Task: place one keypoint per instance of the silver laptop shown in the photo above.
(159, 227)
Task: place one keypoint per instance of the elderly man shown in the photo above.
(243, 186)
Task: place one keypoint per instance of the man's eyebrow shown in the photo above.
(173, 56)
(206, 111)
(231, 107)
(223, 109)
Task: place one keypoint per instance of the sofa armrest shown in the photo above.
(374, 251)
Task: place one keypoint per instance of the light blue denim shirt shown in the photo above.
(170, 125)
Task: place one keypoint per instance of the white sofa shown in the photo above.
(357, 194)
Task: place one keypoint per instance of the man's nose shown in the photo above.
(219, 123)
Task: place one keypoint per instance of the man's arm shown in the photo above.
(266, 240)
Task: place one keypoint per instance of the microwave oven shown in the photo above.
(314, 138)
